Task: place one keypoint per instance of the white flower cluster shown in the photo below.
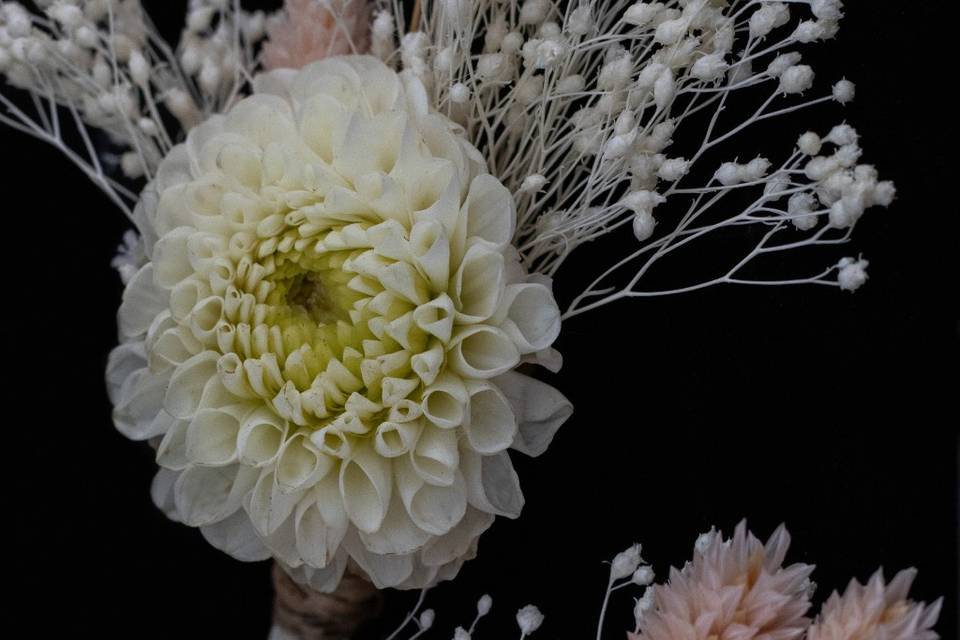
(576, 106)
(102, 62)
(321, 344)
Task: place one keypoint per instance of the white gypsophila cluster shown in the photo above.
(102, 63)
(576, 105)
(321, 343)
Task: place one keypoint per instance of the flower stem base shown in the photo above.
(303, 614)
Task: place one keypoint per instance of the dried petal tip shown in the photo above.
(877, 610)
(736, 588)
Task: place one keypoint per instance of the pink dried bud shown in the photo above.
(308, 30)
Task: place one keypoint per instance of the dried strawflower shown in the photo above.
(305, 31)
(321, 344)
(876, 611)
(732, 589)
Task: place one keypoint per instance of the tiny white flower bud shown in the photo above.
(490, 66)
(671, 31)
(443, 60)
(571, 84)
(842, 134)
(840, 216)
(460, 634)
(783, 62)
(639, 201)
(644, 225)
(200, 18)
(459, 93)
(810, 143)
(844, 91)
(709, 68)
(827, 9)
(210, 76)
(852, 273)
(148, 126)
(820, 168)
(755, 169)
(131, 165)
(19, 24)
(664, 90)
(139, 68)
(533, 183)
(512, 43)
(800, 208)
(484, 604)
(796, 79)
(580, 22)
(625, 562)
(884, 193)
(529, 619)
(848, 155)
(102, 73)
(728, 174)
(643, 576)
(69, 16)
(534, 11)
(674, 169)
(808, 31)
(427, 618)
(642, 13)
(86, 37)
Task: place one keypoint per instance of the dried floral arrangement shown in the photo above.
(349, 225)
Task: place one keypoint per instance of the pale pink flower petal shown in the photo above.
(876, 611)
(308, 30)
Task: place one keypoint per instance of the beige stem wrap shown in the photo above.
(311, 615)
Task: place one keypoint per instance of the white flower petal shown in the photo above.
(489, 212)
(532, 316)
(188, 382)
(163, 494)
(236, 537)
(365, 485)
(492, 425)
(138, 403)
(301, 464)
(456, 543)
(260, 438)
(398, 534)
(142, 301)
(492, 484)
(205, 495)
(266, 504)
(321, 523)
(478, 284)
(435, 509)
(482, 351)
(540, 411)
(435, 457)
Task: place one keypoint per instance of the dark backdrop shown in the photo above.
(834, 413)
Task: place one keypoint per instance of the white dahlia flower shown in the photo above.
(321, 344)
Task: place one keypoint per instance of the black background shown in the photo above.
(834, 413)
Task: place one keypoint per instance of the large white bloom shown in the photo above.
(322, 343)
